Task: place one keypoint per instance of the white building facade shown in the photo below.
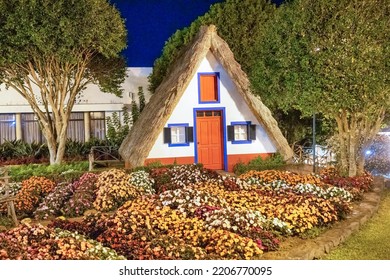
(89, 114)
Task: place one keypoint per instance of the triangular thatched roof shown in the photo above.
(136, 146)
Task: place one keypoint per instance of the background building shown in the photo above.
(146, 39)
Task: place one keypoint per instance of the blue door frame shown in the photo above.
(224, 134)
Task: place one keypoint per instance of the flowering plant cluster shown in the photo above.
(310, 184)
(289, 178)
(113, 189)
(355, 185)
(13, 188)
(188, 199)
(235, 184)
(180, 176)
(228, 245)
(141, 231)
(182, 212)
(31, 194)
(241, 221)
(184, 175)
(142, 181)
(173, 248)
(37, 242)
(71, 199)
(266, 240)
(326, 193)
(161, 178)
(294, 212)
(77, 246)
(83, 197)
(53, 203)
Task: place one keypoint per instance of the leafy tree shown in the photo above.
(239, 22)
(135, 108)
(49, 52)
(330, 57)
(118, 129)
(134, 111)
(141, 97)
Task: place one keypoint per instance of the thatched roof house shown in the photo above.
(179, 107)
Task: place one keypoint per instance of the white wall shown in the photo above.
(236, 110)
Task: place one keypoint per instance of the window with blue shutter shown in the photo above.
(241, 132)
(179, 134)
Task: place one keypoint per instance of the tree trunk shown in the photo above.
(51, 145)
(355, 134)
(61, 143)
(343, 147)
(349, 145)
(352, 163)
(56, 140)
(360, 164)
(353, 147)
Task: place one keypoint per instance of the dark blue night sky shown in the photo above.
(151, 22)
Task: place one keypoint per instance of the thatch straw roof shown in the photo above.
(142, 136)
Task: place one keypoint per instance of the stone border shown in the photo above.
(310, 249)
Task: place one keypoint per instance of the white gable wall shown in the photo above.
(235, 110)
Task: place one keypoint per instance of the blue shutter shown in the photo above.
(230, 132)
(167, 135)
(252, 132)
(189, 134)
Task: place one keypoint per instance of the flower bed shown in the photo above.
(182, 212)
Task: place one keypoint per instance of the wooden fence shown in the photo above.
(6, 195)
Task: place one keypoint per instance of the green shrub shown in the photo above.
(55, 172)
(117, 129)
(76, 150)
(273, 162)
(17, 149)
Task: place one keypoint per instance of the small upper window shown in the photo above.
(208, 88)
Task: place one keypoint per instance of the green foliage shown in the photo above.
(273, 162)
(329, 57)
(61, 47)
(141, 98)
(134, 111)
(19, 152)
(117, 130)
(319, 53)
(55, 172)
(32, 31)
(135, 108)
(75, 150)
(19, 148)
(372, 241)
(239, 22)
(46, 28)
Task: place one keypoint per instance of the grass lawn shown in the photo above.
(372, 241)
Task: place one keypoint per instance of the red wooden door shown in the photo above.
(209, 139)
